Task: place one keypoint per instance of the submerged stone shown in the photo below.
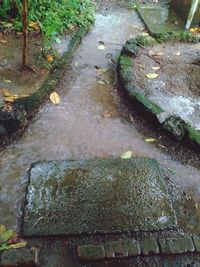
(103, 196)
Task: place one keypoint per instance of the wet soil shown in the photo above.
(12, 77)
(176, 89)
(92, 121)
(179, 68)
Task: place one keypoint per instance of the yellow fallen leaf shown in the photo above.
(177, 54)
(18, 245)
(49, 58)
(155, 68)
(11, 98)
(101, 45)
(150, 140)
(144, 33)
(127, 155)
(55, 98)
(5, 92)
(195, 30)
(152, 75)
(34, 25)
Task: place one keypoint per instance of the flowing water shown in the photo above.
(88, 123)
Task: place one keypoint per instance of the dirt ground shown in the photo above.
(178, 67)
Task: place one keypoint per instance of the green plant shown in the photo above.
(9, 239)
(53, 16)
(133, 5)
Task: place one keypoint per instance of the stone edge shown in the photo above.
(126, 77)
(114, 250)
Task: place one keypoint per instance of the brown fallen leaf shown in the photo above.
(106, 115)
(3, 41)
(155, 54)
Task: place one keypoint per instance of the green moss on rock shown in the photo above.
(145, 40)
(193, 134)
(130, 48)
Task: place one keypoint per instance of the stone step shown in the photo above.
(96, 196)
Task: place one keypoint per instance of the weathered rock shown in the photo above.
(18, 257)
(12, 120)
(101, 196)
(176, 245)
(196, 239)
(149, 246)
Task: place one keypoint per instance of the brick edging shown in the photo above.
(132, 247)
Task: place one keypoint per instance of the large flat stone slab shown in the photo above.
(100, 196)
(160, 19)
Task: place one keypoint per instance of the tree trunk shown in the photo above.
(25, 41)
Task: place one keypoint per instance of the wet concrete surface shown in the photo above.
(92, 122)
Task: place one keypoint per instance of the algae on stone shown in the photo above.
(102, 196)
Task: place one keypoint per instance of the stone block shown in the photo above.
(91, 252)
(122, 248)
(196, 239)
(103, 196)
(149, 246)
(17, 257)
(176, 245)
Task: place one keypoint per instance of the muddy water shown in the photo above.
(88, 121)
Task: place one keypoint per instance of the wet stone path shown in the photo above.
(92, 122)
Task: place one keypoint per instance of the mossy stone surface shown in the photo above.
(102, 196)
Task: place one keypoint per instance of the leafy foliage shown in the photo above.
(9, 239)
(53, 16)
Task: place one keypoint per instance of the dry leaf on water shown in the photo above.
(150, 140)
(152, 75)
(103, 82)
(127, 155)
(55, 98)
(102, 71)
(155, 68)
(101, 45)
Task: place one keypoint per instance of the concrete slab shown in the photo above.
(160, 20)
(103, 196)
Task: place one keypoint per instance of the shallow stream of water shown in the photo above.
(88, 123)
